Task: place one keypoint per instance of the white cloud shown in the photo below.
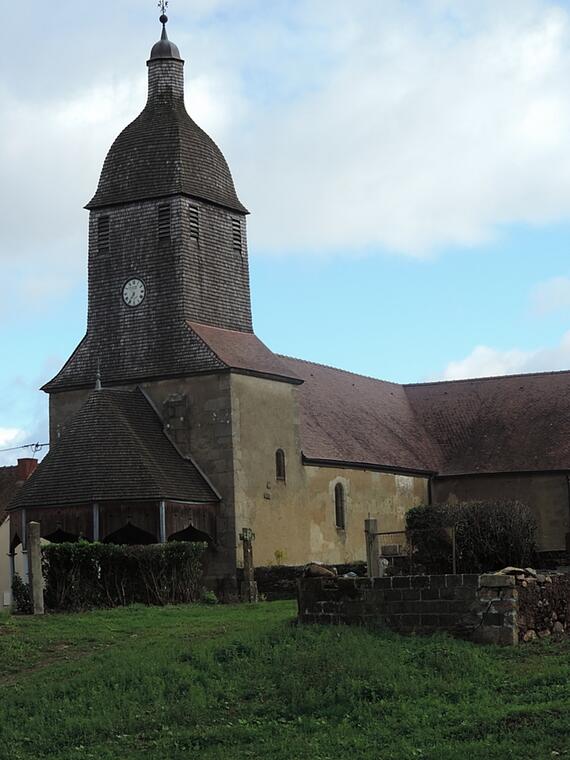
(349, 127)
(484, 361)
(551, 296)
(427, 132)
(9, 435)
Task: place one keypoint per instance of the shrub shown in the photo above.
(22, 603)
(489, 535)
(83, 575)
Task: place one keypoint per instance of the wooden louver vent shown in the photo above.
(164, 222)
(194, 222)
(103, 234)
(236, 235)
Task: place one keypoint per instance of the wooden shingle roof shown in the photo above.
(114, 448)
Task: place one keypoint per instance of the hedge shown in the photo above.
(489, 535)
(84, 575)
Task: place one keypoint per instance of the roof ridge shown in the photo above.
(339, 369)
(486, 378)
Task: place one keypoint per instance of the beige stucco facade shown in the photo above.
(5, 574)
(294, 520)
(232, 427)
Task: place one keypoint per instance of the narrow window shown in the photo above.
(103, 234)
(236, 235)
(280, 465)
(340, 506)
(164, 222)
(194, 222)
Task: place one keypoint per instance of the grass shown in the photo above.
(243, 682)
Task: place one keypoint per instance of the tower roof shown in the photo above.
(163, 152)
(164, 48)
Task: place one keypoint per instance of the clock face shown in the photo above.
(133, 292)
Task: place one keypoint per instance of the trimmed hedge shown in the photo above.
(83, 575)
(489, 535)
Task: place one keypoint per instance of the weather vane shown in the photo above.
(163, 5)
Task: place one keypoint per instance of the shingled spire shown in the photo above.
(164, 152)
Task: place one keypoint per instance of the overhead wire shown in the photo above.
(33, 446)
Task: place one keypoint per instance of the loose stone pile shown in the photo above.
(543, 603)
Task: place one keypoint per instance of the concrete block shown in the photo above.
(496, 581)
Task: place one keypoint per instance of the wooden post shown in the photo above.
(249, 591)
(35, 567)
(162, 522)
(373, 561)
(95, 521)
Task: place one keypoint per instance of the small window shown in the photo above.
(236, 235)
(194, 222)
(340, 506)
(164, 222)
(103, 234)
(280, 465)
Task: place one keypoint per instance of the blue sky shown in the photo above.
(407, 166)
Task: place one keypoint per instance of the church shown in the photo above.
(172, 420)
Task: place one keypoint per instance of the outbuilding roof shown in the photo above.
(114, 448)
(9, 485)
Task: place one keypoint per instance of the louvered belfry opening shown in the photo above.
(164, 221)
(103, 234)
(236, 235)
(194, 218)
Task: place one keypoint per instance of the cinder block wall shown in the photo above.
(483, 608)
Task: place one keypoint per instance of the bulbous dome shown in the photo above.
(163, 151)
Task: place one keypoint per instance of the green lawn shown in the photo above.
(243, 682)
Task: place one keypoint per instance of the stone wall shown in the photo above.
(482, 608)
(543, 606)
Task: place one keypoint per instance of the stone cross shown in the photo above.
(249, 591)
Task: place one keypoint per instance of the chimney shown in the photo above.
(25, 468)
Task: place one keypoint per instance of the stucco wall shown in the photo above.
(5, 581)
(546, 494)
(294, 522)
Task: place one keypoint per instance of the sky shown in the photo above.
(406, 164)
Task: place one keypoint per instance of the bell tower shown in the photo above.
(167, 244)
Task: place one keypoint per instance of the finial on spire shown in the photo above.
(98, 377)
(164, 48)
(163, 5)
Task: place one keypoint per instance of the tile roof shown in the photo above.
(355, 419)
(114, 448)
(9, 486)
(183, 353)
(243, 351)
(497, 424)
(515, 423)
(164, 152)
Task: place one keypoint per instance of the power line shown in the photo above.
(33, 446)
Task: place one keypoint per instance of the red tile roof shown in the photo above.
(515, 423)
(355, 419)
(243, 351)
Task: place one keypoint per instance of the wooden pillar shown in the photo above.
(96, 528)
(373, 561)
(35, 571)
(249, 591)
(162, 522)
